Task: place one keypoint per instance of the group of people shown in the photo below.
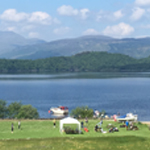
(82, 123)
(12, 126)
(99, 126)
(130, 126)
(19, 125)
(111, 128)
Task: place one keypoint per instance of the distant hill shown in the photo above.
(84, 62)
(137, 48)
(64, 47)
(10, 41)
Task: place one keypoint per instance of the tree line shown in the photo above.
(84, 62)
(17, 110)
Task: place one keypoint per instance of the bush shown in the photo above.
(17, 110)
(3, 109)
(82, 112)
(28, 112)
(13, 109)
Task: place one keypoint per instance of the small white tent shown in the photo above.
(69, 120)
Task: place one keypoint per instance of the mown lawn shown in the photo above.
(40, 135)
(74, 143)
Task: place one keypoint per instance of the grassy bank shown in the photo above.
(95, 143)
(40, 134)
(44, 129)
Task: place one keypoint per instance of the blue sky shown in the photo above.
(52, 20)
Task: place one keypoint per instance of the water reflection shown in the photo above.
(58, 116)
(87, 75)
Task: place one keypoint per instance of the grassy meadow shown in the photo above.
(41, 135)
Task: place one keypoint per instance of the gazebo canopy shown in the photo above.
(69, 120)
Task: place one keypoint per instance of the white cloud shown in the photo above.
(84, 13)
(109, 16)
(13, 15)
(56, 21)
(27, 24)
(11, 29)
(40, 17)
(27, 28)
(142, 2)
(101, 15)
(90, 32)
(34, 35)
(119, 30)
(67, 10)
(137, 13)
(118, 14)
(61, 30)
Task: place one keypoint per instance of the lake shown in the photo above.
(121, 92)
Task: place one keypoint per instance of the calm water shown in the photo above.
(118, 94)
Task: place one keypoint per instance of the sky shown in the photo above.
(52, 20)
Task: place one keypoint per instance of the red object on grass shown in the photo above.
(86, 130)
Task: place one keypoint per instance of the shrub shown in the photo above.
(82, 112)
(3, 109)
(28, 112)
(13, 109)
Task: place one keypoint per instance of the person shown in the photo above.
(103, 131)
(96, 128)
(86, 120)
(82, 124)
(101, 122)
(130, 125)
(19, 125)
(115, 129)
(12, 128)
(111, 129)
(127, 124)
(54, 123)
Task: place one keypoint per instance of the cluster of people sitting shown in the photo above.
(97, 128)
(129, 126)
(112, 128)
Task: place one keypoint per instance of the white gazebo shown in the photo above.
(69, 120)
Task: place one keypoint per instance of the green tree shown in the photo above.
(13, 109)
(27, 112)
(82, 112)
(3, 109)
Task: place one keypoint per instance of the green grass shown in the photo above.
(104, 143)
(40, 135)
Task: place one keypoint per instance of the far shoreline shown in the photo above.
(46, 119)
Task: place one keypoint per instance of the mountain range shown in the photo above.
(9, 41)
(14, 46)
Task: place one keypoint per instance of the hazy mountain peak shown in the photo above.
(10, 40)
(102, 37)
(16, 46)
